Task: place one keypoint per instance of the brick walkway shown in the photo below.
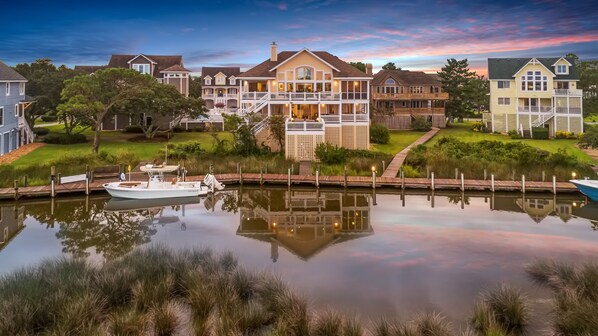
(393, 168)
(21, 151)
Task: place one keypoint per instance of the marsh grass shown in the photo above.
(155, 291)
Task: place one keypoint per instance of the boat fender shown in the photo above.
(122, 177)
(174, 180)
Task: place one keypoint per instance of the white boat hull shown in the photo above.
(140, 190)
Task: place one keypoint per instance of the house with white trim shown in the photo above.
(321, 97)
(534, 92)
(14, 130)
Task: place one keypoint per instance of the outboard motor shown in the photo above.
(211, 181)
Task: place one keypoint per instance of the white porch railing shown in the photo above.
(299, 126)
(293, 96)
(534, 109)
(331, 118)
(355, 117)
(569, 110)
(567, 92)
(257, 128)
(542, 118)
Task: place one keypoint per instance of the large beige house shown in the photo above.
(322, 98)
(534, 92)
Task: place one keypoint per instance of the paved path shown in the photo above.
(393, 168)
(21, 151)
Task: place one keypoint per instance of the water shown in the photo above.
(372, 255)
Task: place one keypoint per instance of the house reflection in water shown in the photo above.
(539, 207)
(304, 222)
(11, 223)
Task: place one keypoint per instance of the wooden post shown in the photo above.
(86, 185)
(26, 181)
(289, 180)
(427, 172)
(432, 181)
(59, 179)
(456, 173)
(462, 182)
(261, 176)
(402, 180)
(240, 175)
(543, 176)
(485, 175)
(373, 179)
(492, 182)
(16, 186)
(383, 165)
(523, 184)
(52, 189)
(345, 176)
(238, 168)
(318, 177)
(554, 184)
(513, 175)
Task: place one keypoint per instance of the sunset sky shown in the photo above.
(416, 35)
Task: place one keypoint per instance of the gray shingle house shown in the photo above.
(14, 130)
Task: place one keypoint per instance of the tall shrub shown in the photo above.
(379, 134)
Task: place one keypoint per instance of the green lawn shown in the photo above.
(463, 132)
(111, 141)
(398, 141)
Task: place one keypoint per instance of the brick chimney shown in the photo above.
(368, 68)
(273, 52)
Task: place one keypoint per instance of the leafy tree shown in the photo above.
(195, 87)
(161, 102)
(277, 129)
(45, 81)
(589, 139)
(100, 95)
(420, 123)
(479, 88)
(574, 57)
(456, 81)
(588, 82)
(358, 65)
(390, 66)
(244, 141)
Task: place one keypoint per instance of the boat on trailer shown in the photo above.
(587, 187)
(157, 187)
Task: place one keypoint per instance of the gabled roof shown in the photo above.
(162, 62)
(175, 68)
(345, 70)
(8, 73)
(564, 59)
(142, 55)
(506, 68)
(213, 71)
(89, 69)
(405, 77)
(309, 52)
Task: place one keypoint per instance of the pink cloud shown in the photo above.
(393, 32)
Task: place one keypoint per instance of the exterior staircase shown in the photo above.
(27, 135)
(543, 118)
(260, 104)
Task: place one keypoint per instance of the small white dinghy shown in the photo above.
(156, 187)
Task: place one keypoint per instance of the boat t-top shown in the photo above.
(157, 187)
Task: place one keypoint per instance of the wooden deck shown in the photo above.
(334, 181)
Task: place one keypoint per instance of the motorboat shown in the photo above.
(157, 187)
(587, 187)
(123, 204)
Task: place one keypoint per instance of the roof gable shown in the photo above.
(213, 71)
(506, 68)
(141, 55)
(405, 77)
(10, 74)
(561, 59)
(163, 62)
(309, 52)
(534, 61)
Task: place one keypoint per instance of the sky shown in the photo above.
(415, 35)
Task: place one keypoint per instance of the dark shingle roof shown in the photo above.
(505, 68)
(177, 68)
(163, 62)
(89, 69)
(345, 69)
(405, 77)
(227, 71)
(8, 73)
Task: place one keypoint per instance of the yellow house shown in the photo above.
(534, 92)
(322, 98)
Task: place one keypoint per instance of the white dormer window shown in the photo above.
(22, 89)
(208, 81)
(232, 81)
(562, 69)
(142, 68)
(7, 89)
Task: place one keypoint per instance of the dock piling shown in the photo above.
(432, 181)
(402, 180)
(16, 187)
(26, 181)
(345, 176)
(554, 184)
(240, 175)
(462, 182)
(373, 178)
(485, 175)
(289, 181)
(543, 176)
(492, 182)
(86, 185)
(318, 177)
(523, 184)
(456, 173)
(261, 176)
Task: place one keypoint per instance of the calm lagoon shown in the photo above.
(372, 255)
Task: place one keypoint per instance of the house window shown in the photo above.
(1, 115)
(7, 89)
(16, 110)
(304, 73)
(504, 101)
(417, 89)
(232, 81)
(504, 84)
(208, 81)
(22, 89)
(390, 81)
(221, 80)
(142, 68)
(534, 81)
(561, 69)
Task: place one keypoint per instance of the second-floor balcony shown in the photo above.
(221, 96)
(567, 93)
(534, 109)
(300, 125)
(411, 96)
(292, 96)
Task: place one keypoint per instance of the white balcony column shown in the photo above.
(568, 116)
(340, 112)
(320, 110)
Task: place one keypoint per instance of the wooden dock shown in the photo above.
(317, 181)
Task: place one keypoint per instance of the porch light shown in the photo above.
(273, 224)
(355, 83)
(573, 175)
(336, 224)
(574, 204)
(373, 169)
